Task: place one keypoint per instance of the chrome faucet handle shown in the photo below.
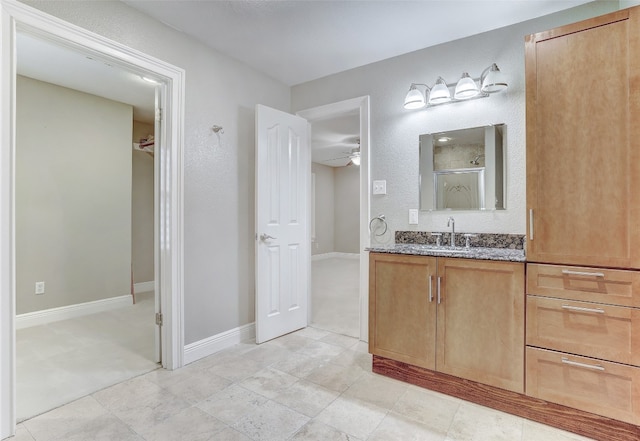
(451, 222)
(467, 237)
(438, 238)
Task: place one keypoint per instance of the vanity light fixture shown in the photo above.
(491, 81)
(466, 88)
(415, 98)
(440, 93)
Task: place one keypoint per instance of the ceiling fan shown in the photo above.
(353, 156)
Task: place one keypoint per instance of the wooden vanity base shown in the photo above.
(562, 417)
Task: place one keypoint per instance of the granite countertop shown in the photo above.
(481, 253)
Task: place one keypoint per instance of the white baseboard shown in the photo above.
(144, 287)
(208, 346)
(45, 316)
(334, 255)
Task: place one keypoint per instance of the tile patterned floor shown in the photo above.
(335, 295)
(308, 385)
(62, 361)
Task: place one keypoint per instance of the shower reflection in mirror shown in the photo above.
(463, 169)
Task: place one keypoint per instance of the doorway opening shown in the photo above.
(339, 197)
(168, 185)
(84, 211)
(335, 245)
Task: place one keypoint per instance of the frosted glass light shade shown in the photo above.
(414, 99)
(493, 80)
(440, 92)
(355, 160)
(466, 88)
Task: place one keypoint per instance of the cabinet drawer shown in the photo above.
(615, 287)
(604, 388)
(590, 329)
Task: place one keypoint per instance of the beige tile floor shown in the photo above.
(62, 361)
(308, 385)
(335, 291)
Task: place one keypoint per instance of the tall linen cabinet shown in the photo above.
(583, 218)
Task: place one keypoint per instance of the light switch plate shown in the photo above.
(413, 216)
(379, 187)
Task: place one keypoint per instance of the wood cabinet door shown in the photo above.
(583, 142)
(402, 308)
(480, 332)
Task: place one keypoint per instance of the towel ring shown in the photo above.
(380, 218)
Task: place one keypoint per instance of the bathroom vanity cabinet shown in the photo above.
(583, 240)
(583, 142)
(462, 317)
(583, 339)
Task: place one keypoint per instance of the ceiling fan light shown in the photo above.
(440, 92)
(466, 88)
(494, 80)
(414, 99)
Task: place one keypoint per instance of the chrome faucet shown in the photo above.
(452, 223)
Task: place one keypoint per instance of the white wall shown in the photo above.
(337, 211)
(73, 196)
(142, 216)
(218, 176)
(395, 131)
(324, 210)
(347, 209)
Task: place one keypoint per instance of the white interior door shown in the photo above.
(283, 174)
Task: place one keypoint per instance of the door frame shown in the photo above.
(336, 109)
(16, 16)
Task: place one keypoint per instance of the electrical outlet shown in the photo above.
(379, 187)
(39, 287)
(413, 216)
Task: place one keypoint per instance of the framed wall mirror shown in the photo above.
(463, 169)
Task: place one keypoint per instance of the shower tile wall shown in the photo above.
(457, 156)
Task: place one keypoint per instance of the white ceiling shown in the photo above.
(49, 61)
(334, 139)
(295, 41)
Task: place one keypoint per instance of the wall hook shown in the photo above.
(217, 129)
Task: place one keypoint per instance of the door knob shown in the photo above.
(265, 237)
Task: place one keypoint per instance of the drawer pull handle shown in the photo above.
(430, 289)
(578, 308)
(596, 367)
(581, 273)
